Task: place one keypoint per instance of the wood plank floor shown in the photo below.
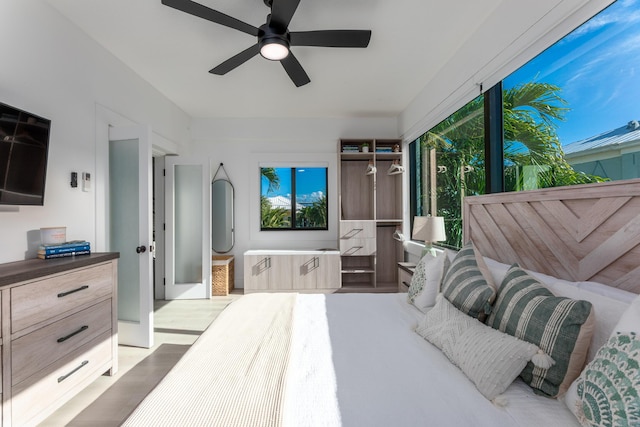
(109, 400)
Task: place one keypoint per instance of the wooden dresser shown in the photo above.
(58, 332)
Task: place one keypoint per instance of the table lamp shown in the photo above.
(429, 229)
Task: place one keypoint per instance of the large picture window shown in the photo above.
(568, 116)
(449, 164)
(293, 198)
(571, 113)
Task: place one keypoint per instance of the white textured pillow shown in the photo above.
(425, 282)
(492, 360)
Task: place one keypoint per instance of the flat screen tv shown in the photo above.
(24, 145)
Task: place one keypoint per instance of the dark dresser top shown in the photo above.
(19, 271)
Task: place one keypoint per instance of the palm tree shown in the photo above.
(530, 112)
(273, 217)
(314, 216)
(272, 176)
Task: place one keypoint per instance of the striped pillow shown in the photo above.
(560, 326)
(468, 284)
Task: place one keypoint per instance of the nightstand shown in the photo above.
(405, 272)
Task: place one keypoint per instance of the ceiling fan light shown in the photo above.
(274, 50)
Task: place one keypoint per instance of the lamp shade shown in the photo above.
(429, 228)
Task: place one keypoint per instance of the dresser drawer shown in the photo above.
(38, 301)
(35, 398)
(41, 348)
(357, 230)
(357, 247)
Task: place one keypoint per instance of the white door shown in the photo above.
(129, 224)
(187, 229)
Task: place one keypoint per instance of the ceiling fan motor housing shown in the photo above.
(270, 35)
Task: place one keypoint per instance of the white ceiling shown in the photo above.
(411, 40)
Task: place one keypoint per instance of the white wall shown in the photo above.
(50, 68)
(244, 144)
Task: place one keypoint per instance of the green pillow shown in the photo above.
(560, 326)
(608, 390)
(468, 284)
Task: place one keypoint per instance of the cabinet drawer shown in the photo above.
(357, 230)
(404, 280)
(39, 349)
(47, 392)
(38, 301)
(357, 247)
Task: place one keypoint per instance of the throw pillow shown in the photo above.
(425, 282)
(607, 393)
(489, 358)
(561, 327)
(468, 284)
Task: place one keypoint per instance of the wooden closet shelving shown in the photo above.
(370, 212)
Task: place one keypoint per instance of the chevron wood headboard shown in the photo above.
(580, 233)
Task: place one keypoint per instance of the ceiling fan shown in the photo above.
(274, 37)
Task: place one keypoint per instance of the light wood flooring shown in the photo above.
(109, 400)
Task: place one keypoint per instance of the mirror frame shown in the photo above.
(226, 224)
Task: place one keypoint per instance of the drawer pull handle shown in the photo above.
(64, 294)
(353, 232)
(83, 328)
(64, 377)
(405, 283)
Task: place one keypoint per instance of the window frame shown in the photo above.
(294, 227)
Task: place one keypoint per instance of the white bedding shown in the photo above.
(355, 361)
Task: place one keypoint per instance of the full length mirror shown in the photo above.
(222, 233)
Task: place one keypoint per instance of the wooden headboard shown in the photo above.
(580, 233)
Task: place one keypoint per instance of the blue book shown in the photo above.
(70, 244)
(63, 255)
(74, 248)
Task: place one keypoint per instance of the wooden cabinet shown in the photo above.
(371, 210)
(291, 270)
(266, 272)
(59, 332)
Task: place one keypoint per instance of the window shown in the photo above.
(570, 114)
(293, 198)
(449, 164)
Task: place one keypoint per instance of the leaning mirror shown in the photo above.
(222, 232)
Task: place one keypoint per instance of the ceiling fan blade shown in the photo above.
(204, 12)
(331, 38)
(282, 11)
(236, 61)
(295, 70)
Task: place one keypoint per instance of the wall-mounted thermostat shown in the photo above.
(86, 181)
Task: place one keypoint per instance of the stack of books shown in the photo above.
(384, 150)
(350, 149)
(75, 247)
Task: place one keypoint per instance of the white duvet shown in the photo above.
(354, 361)
(357, 362)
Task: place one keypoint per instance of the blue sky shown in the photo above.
(310, 183)
(598, 68)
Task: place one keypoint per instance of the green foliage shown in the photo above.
(273, 217)
(271, 176)
(314, 216)
(531, 149)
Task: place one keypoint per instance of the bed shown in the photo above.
(356, 359)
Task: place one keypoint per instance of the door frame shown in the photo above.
(105, 118)
(201, 290)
